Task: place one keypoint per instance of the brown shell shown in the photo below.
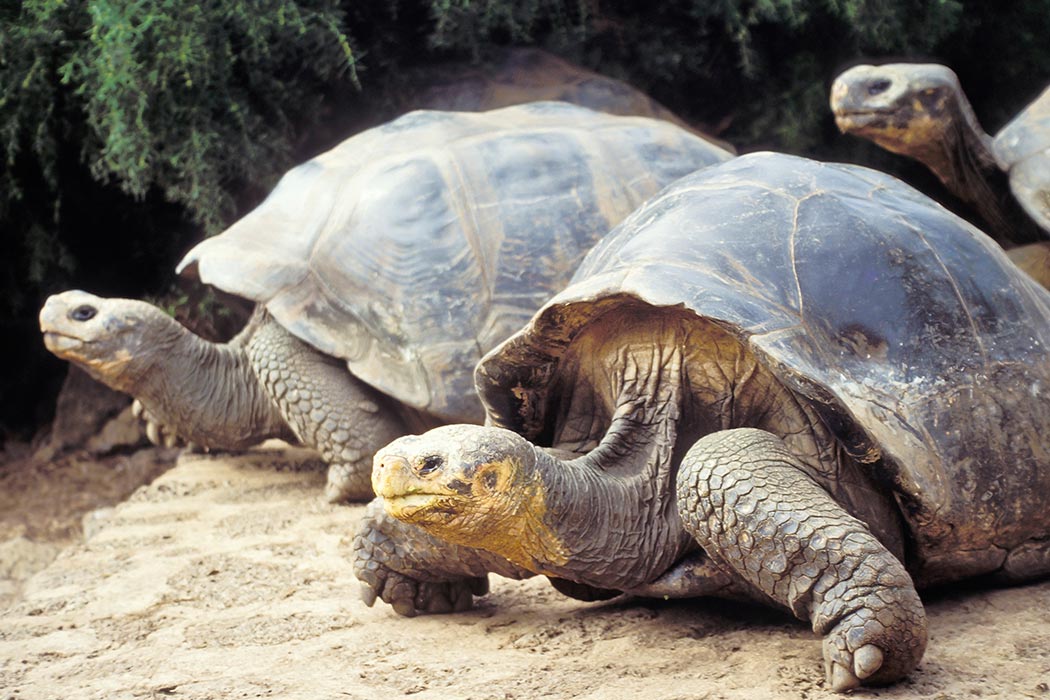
(412, 248)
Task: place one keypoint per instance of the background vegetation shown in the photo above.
(130, 128)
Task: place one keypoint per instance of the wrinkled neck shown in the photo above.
(962, 157)
(611, 513)
(205, 391)
(614, 531)
(965, 163)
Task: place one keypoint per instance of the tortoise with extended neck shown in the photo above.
(803, 383)
(382, 270)
(920, 111)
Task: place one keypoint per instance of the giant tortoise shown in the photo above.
(919, 110)
(401, 255)
(801, 383)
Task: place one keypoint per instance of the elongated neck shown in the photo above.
(606, 519)
(964, 161)
(205, 391)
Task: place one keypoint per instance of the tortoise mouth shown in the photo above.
(60, 342)
(404, 506)
(851, 120)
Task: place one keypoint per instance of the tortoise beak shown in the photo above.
(391, 475)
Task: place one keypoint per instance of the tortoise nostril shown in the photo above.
(391, 462)
(877, 87)
(84, 312)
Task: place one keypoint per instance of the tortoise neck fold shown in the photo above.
(205, 391)
(965, 163)
(612, 511)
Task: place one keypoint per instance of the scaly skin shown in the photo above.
(327, 408)
(752, 506)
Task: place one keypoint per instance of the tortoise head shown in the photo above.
(112, 339)
(903, 107)
(465, 483)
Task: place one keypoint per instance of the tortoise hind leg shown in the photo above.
(1026, 562)
(327, 408)
(751, 505)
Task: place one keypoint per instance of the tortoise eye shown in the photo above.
(430, 464)
(84, 312)
(877, 87)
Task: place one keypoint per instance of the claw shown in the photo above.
(841, 678)
(867, 660)
(136, 408)
(153, 434)
(368, 595)
(404, 608)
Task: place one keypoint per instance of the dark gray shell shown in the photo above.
(923, 348)
(1022, 148)
(412, 248)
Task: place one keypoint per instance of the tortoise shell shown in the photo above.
(412, 248)
(1022, 148)
(919, 344)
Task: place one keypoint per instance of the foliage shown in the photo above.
(187, 97)
(125, 124)
(766, 61)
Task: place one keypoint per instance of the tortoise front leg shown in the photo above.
(327, 408)
(414, 572)
(752, 506)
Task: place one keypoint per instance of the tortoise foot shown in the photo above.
(410, 597)
(874, 646)
(755, 509)
(401, 566)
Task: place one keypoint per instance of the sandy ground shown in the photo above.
(229, 577)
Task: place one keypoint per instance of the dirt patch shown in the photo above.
(47, 504)
(228, 577)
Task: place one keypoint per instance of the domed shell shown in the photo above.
(412, 248)
(1022, 148)
(922, 347)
